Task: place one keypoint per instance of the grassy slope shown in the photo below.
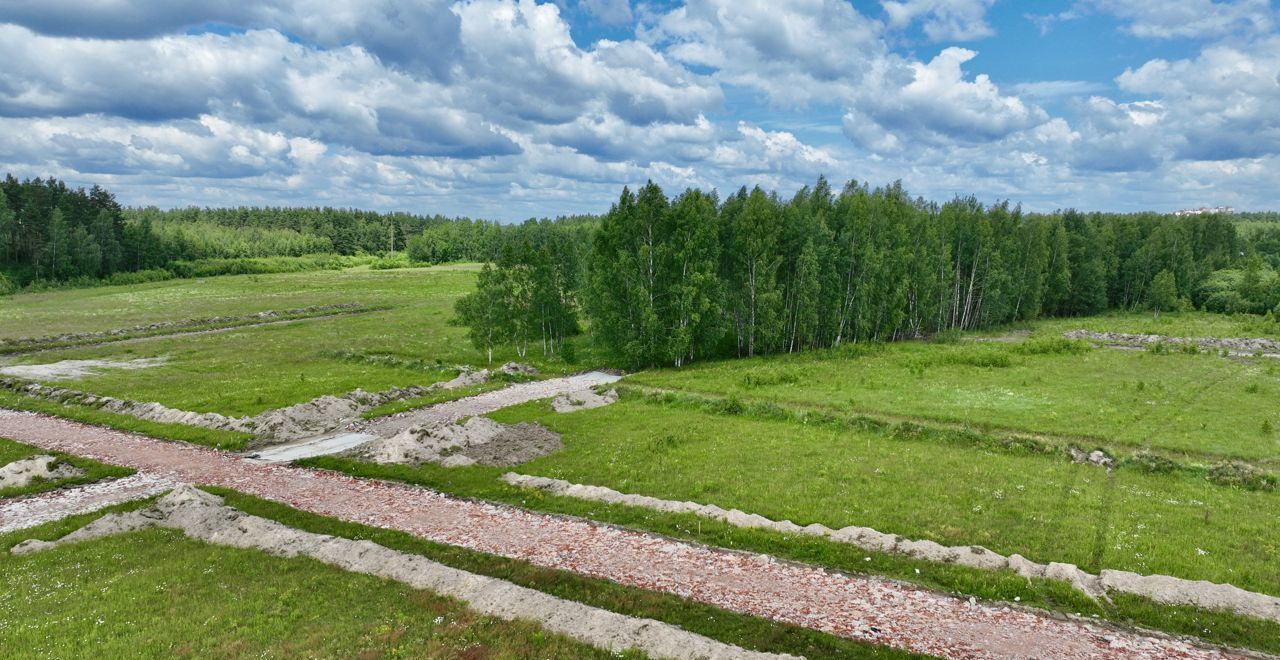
(1201, 405)
(157, 593)
(1044, 509)
(11, 451)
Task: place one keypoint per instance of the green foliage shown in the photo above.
(528, 295)
(1053, 346)
(1238, 474)
(1152, 463)
(1163, 295)
(823, 270)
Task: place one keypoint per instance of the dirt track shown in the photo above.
(866, 608)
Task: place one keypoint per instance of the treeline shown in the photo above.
(51, 233)
(669, 281)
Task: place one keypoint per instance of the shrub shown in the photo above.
(6, 286)
(568, 352)
(140, 277)
(1153, 463)
(1241, 475)
(767, 377)
(1053, 346)
(951, 336)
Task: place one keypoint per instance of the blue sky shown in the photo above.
(508, 109)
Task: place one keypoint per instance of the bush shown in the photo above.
(1241, 475)
(391, 262)
(951, 336)
(568, 353)
(140, 277)
(6, 286)
(1153, 463)
(766, 377)
(1053, 346)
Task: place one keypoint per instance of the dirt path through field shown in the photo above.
(24, 512)
(487, 402)
(441, 413)
(865, 608)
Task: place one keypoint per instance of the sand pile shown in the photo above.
(583, 400)
(48, 468)
(478, 440)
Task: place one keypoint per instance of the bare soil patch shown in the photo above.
(74, 369)
(478, 440)
(23, 472)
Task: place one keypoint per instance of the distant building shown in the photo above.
(1204, 210)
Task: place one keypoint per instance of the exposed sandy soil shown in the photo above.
(452, 411)
(478, 440)
(21, 473)
(1233, 345)
(73, 369)
(24, 512)
(583, 400)
(868, 608)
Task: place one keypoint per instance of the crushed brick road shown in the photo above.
(866, 608)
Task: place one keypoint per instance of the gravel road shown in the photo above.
(860, 607)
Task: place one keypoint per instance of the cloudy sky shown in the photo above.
(509, 109)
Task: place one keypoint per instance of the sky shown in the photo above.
(509, 109)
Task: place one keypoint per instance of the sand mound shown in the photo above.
(203, 516)
(73, 369)
(22, 473)
(478, 440)
(517, 369)
(583, 400)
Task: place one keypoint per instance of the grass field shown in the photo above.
(157, 593)
(109, 307)
(910, 438)
(11, 451)
(1202, 406)
(1043, 508)
(244, 371)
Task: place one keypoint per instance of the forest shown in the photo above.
(665, 280)
(51, 233)
(669, 281)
